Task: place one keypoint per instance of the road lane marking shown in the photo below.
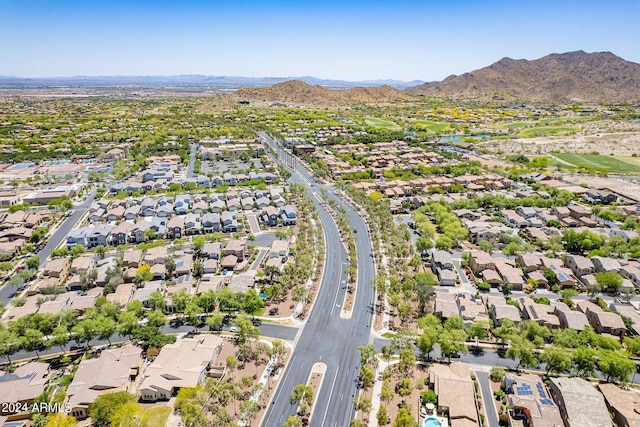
(330, 394)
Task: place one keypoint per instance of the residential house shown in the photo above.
(97, 215)
(58, 268)
(446, 277)
(233, 204)
(184, 264)
(98, 235)
(113, 370)
(183, 364)
(530, 401)
(579, 265)
(212, 250)
(122, 295)
(603, 322)
(132, 258)
(203, 181)
(155, 255)
(77, 236)
(132, 212)
(270, 215)
(120, 233)
(288, 215)
(623, 404)
(83, 264)
(23, 385)
(182, 204)
(529, 262)
(513, 219)
(229, 222)
(446, 306)
(472, 309)
(262, 202)
(165, 211)
(139, 231)
(599, 197)
(632, 273)
(148, 207)
(217, 206)
(578, 211)
(279, 249)
(115, 213)
(236, 247)
(542, 314)
(211, 222)
(441, 260)
(581, 404)
(500, 310)
(175, 227)
(456, 393)
(143, 293)
(571, 319)
(229, 179)
(192, 224)
(605, 264)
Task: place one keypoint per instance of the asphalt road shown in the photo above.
(7, 291)
(326, 337)
(285, 333)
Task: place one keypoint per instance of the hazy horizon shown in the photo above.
(406, 40)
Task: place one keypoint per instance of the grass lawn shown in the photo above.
(431, 125)
(547, 131)
(379, 123)
(156, 417)
(617, 164)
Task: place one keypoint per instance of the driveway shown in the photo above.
(487, 397)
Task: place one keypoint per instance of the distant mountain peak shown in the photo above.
(557, 77)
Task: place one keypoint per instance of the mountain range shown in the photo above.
(215, 82)
(558, 77)
(572, 76)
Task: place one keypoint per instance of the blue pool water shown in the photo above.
(432, 422)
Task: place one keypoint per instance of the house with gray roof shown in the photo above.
(581, 404)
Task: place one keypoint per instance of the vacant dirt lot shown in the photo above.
(620, 138)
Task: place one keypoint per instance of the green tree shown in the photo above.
(170, 266)
(33, 262)
(106, 405)
(301, 395)
(407, 360)
(156, 319)
(405, 419)
(60, 420)
(368, 355)
(383, 416)
(584, 362)
(128, 414)
(127, 323)
(609, 280)
(524, 351)
(614, 366)
(424, 289)
(558, 360)
(293, 421)
(156, 301)
(60, 337)
(452, 342)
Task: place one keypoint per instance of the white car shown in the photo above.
(233, 329)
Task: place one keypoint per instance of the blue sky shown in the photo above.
(404, 40)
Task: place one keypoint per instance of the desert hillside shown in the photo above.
(296, 92)
(573, 76)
